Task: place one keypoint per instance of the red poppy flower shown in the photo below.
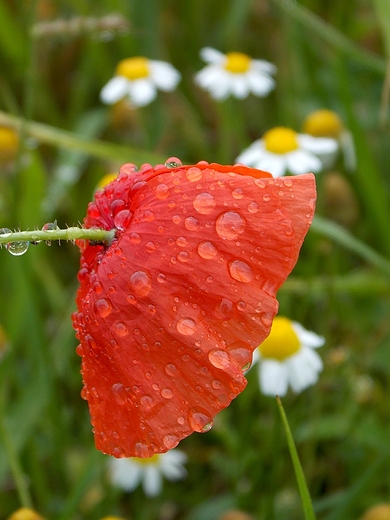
(170, 313)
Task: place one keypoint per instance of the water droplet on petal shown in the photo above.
(219, 358)
(194, 174)
(253, 207)
(230, 225)
(181, 241)
(240, 271)
(171, 370)
(183, 256)
(103, 307)
(147, 402)
(120, 394)
(237, 193)
(17, 248)
(266, 197)
(161, 191)
(121, 329)
(200, 421)
(141, 283)
(135, 238)
(161, 278)
(173, 162)
(166, 393)
(191, 223)
(186, 326)
(170, 441)
(141, 450)
(204, 203)
(122, 219)
(207, 250)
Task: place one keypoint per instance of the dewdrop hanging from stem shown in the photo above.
(18, 242)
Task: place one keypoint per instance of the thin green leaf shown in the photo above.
(303, 490)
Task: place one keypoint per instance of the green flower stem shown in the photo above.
(70, 141)
(72, 233)
(303, 490)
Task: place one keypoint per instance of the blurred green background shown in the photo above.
(329, 54)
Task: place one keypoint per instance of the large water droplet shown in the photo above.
(173, 162)
(17, 248)
(141, 283)
(171, 370)
(135, 238)
(204, 203)
(141, 450)
(194, 174)
(103, 307)
(240, 271)
(161, 191)
(166, 393)
(121, 329)
(207, 250)
(191, 223)
(253, 207)
(219, 358)
(186, 326)
(183, 256)
(170, 441)
(147, 402)
(230, 225)
(237, 193)
(122, 219)
(200, 421)
(120, 394)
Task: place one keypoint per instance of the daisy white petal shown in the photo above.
(114, 90)
(152, 481)
(210, 55)
(311, 339)
(264, 66)
(259, 84)
(142, 92)
(273, 378)
(318, 144)
(164, 75)
(301, 161)
(303, 369)
(124, 473)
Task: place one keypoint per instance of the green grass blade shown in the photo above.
(303, 490)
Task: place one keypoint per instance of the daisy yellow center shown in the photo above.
(9, 143)
(237, 62)
(133, 68)
(280, 140)
(282, 341)
(323, 123)
(149, 461)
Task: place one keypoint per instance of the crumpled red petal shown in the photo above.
(169, 314)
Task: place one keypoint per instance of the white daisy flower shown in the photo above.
(234, 74)
(127, 474)
(326, 123)
(282, 150)
(286, 358)
(139, 78)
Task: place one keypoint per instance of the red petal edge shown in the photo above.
(170, 314)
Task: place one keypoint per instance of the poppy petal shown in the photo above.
(170, 313)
